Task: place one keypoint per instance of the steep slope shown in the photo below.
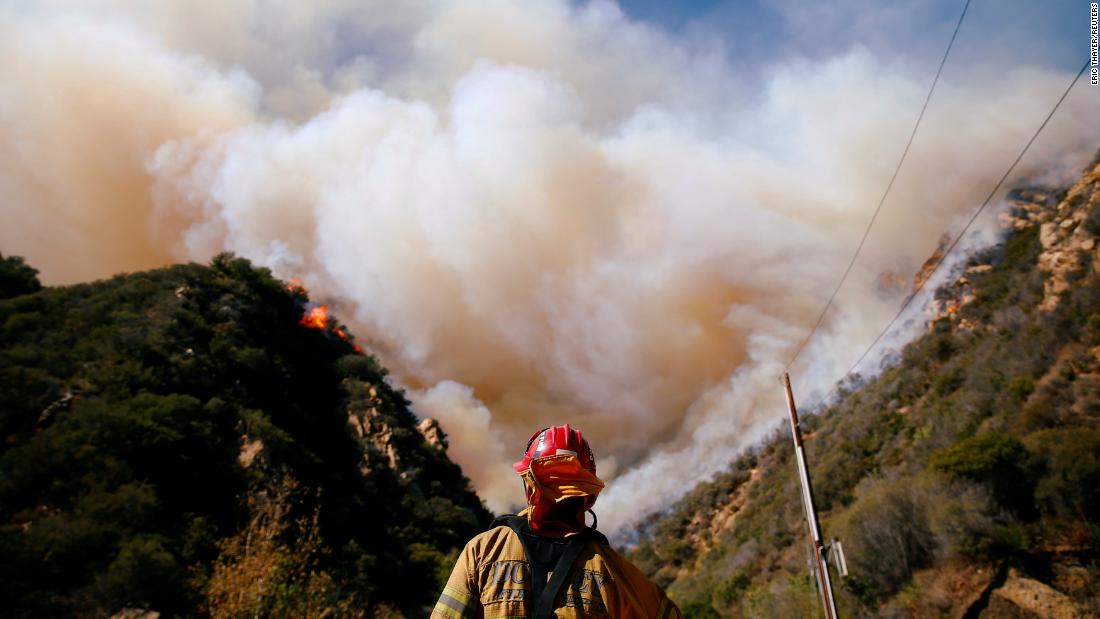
(964, 480)
(181, 441)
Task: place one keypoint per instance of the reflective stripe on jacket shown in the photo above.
(492, 580)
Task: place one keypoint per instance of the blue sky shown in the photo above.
(757, 33)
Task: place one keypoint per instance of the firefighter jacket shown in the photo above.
(492, 578)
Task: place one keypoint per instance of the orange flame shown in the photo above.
(316, 317)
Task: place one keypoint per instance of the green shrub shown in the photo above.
(698, 609)
(1020, 387)
(787, 596)
(1069, 481)
(996, 459)
(947, 381)
(962, 516)
(731, 589)
(143, 575)
(886, 536)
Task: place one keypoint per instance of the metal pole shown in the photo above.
(824, 584)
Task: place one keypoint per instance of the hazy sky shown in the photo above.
(540, 211)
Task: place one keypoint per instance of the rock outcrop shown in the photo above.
(1025, 598)
(1069, 244)
(1069, 241)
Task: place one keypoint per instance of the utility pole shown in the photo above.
(824, 584)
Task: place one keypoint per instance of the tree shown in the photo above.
(17, 277)
(995, 459)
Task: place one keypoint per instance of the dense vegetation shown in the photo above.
(177, 441)
(975, 450)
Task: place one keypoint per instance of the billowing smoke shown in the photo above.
(535, 212)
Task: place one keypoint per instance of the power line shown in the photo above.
(882, 200)
(958, 238)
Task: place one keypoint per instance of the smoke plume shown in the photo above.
(535, 212)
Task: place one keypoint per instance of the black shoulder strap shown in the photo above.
(544, 605)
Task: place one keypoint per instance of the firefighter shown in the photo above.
(545, 562)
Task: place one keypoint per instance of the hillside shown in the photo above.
(200, 440)
(963, 480)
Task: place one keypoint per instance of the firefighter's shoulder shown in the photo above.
(637, 595)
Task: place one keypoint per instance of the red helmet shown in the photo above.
(557, 440)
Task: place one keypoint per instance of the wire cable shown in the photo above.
(882, 200)
(955, 242)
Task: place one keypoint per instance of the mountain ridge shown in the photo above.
(185, 442)
(961, 475)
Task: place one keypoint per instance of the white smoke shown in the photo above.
(535, 212)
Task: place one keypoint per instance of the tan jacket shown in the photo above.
(491, 579)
